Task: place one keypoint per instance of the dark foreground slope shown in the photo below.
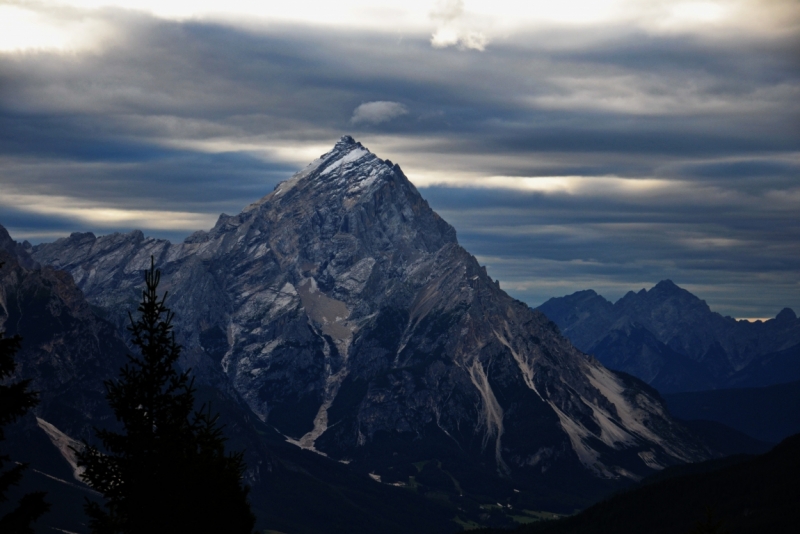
(742, 495)
(769, 413)
(725, 439)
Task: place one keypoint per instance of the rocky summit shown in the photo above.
(343, 310)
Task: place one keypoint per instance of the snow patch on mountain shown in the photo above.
(363, 182)
(349, 157)
(287, 185)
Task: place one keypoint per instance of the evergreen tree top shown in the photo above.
(167, 470)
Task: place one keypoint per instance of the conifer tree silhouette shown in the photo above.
(167, 471)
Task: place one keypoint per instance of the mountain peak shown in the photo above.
(347, 140)
(667, 286)
(786, 315)
(5, 238)
(347, 193)
(328, 170)
(17, 251)
(343, 311)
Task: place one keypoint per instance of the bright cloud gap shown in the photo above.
(69, 25)
(573, 185)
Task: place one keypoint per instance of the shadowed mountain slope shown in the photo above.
(68, 351)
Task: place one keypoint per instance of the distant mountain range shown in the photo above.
(673, 341)
(352, 341)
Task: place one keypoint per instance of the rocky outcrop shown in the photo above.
(343, 310)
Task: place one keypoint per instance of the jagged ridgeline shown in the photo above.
(672, 340)
(343, 310)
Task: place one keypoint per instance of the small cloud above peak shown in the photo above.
(378, 112)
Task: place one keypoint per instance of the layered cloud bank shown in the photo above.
(601, 144)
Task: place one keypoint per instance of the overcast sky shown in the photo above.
(576, 144)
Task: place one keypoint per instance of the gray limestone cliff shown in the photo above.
(343, 310)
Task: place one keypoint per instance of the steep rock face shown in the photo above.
(69, 351)
(342, 308)
(672, 340)
(66, 349)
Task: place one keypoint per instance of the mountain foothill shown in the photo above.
(374, 374)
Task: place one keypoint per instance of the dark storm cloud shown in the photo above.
(544, 245)
(562, 227)
(48, 224)
(73, 136)
(48, 227)
(735, 63)
(188, 179)
(306, 86)
(746, 169)
(187, 117)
